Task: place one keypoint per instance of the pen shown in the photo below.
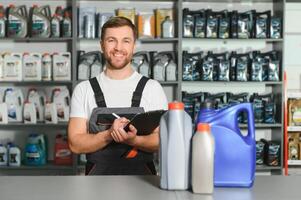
(115, 115)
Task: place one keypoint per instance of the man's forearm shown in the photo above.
(148, 143)
(88, 143)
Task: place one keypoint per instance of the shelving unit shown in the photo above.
(173, 89)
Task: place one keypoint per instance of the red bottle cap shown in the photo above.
(203, 127)
(176, 106)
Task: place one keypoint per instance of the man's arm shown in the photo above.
(80, 141)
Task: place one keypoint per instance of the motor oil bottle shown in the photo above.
(14, 156)
(171, 68)
(35, 150)
(17, 21)
(2, 22)
(40, 21)
(67, 25)
(233, 167)
(175, 148)
(3, 155)
(168, 30)
(46, 67)
(59, 11)
(62, 153)
(3, 113)
(29, 113)
(12, 67)
(83, 70)
(32, 69)
(55, 26)
(61, 99)
(137, 60)
(1, 67)
(61, 66)
(161, 61)
(96, 68)
(14, 100)
(202, 160)
(141, 63)
(38, 99)
(50, 113)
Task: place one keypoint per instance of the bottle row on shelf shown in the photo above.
(231, 24)
(264, 105)
(38, 107)
(35, 66)
(268, 153)
(15, 22)
(35, 152)
(251, 66)
(154, 24)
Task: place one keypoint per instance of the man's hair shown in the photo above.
(115, 22)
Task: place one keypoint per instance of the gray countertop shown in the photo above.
(137, 188)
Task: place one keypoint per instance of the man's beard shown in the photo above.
(126, 61)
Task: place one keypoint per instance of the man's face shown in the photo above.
(118, 46)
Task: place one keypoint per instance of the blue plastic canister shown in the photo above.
(235, 154)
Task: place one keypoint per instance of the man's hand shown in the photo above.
(118, 133)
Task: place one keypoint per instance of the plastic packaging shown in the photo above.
(168, 29)
(50, 113)
(32, 67)
(55, 26)
(3, 155)
(192, 66)
(262, 24)
(160, 16)
(129, 13)
(202, 160)
(17, 21)
(61, 66)
(146, 25)
(200, 24)
(276, 28)
(14, 100)
(12, 67)
(175, 148)
(46, 67)
(224, 25)
(212, 25)
(14, 156)
(3, 113)
(35, 150)
(67, 25)
(89, 24)
(29, 113)
(61, 99)
(83, 12)
(38, 98)
(40, 21)
(62, 153)
(2, 22)
(140, 63)
(188, 23)
(102, 19)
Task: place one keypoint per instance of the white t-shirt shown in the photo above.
(117, 93)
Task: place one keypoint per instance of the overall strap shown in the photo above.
(99, 98)
(137, 94)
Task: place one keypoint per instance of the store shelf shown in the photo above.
(265, 167)
(48, 166)
(268, 40)
(294, 162)
(29, 126)
(168, 82)
(294, 128)
(28, 39)
(142, 40)
(48, 83)
(262, 125)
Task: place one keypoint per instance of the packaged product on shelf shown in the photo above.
(61, 66)
(38, 98)
(35, 150)
(1, 67)
(234, 24)
(102, 19)
(46, 67)
(245, 24)
(276, 27)
(55, 26)
(161, 60)
(32, 67)
(83, 70)
(129, 13)
(236, 99)
(294, 112)
(188, 23)
(29, 113)
(171, 67)
(96, 68)
(192, 64)
(293, 146)
(3, 113)
(212, 25)
(50, 113)
(273, 66)
(67, 25)
(61, 99)
(82, 27)
(257, 69)
(90, 64)
(259, 153)
(62, 153)
(2, 22)
(233, 62)
(223, 67)
(168, 29)
(17, 21)
(14, 155)
(12, 69)
(242, 66)
(59, 11)
(140, 63)
(146, 25)
(14, 100)
(264, 108)
(160, 16)
(272, 152)
(262, 23)
(200, 24)
(224, 24)
(89, 24)
(3, 155)
(219, 99)
(207, 67)
(40, 21)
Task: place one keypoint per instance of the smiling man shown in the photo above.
(121, 90)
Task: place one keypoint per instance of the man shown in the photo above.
(109, 151)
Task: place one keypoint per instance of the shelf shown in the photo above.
(28, 39)
(232, 1)
(36, 82)
(169, 82)
(262, 125)
(265, 167)
(294, 162)
(48, 166)
(142, 40)
(294, 128)
(38, 125)
(268, 40)
(229, 83)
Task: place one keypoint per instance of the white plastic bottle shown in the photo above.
(38, 98)
(46, 67)
(3, 155)
(61, 99)
(14, 101)
(202, 160)
(14, 156)
(168, 30)
(3, 113)
(29, 113)
(50, 113)
(175, 148)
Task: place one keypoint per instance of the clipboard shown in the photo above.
(145, 123)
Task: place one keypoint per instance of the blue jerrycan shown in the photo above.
(235, 154)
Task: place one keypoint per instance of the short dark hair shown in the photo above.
(115, 22)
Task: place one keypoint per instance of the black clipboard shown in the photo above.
(145, 123)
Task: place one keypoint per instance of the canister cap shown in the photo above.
(176, 106)
(203, 127)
